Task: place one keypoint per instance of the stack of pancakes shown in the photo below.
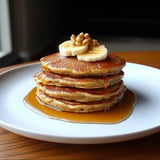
(68, 84)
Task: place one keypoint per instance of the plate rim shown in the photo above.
(79, 140)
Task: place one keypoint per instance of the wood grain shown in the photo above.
(13, 146)
(150, 58)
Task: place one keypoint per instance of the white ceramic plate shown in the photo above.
(17, 118)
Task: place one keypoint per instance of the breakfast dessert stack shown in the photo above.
(82, 77)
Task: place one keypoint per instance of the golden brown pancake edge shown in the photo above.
(55, 63)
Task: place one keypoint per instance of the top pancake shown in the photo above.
(55, 63)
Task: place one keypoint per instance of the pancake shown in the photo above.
(55, 63)
(81, 95)
(73, 106)
(69, 84)
(47, 78)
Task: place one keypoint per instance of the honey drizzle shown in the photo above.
(118, 113)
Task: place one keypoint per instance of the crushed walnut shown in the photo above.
(83, 39)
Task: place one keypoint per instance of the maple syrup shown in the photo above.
(118, 113)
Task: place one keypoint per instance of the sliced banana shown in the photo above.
(68, 49)
(96, 53)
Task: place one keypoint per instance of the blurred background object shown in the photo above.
(30, 29)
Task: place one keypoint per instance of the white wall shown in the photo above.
(5, 35)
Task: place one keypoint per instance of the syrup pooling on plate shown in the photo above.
(118, 113)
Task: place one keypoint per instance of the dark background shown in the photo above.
(38, 26)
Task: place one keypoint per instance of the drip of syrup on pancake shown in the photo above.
(118, 113)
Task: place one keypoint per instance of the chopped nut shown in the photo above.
(83, 39)
(81, 34)
(79, 39)
(73, 38)
(87, 35)
(94, 42)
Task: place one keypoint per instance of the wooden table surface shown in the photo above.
(13, 146)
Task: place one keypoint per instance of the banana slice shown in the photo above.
(68, 49)
(96, 53)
